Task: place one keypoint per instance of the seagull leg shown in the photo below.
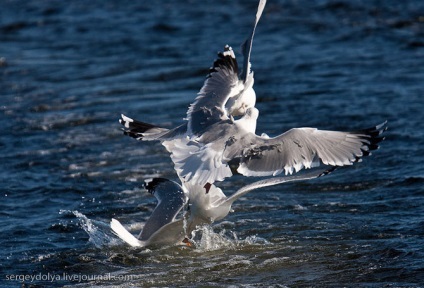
(187, 242)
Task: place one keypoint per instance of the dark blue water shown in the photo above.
(69, 68)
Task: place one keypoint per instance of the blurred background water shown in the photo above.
(69, 68)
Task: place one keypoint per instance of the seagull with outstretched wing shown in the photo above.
(203, 147)
(163, 229)
(226, 93)
(236, 142)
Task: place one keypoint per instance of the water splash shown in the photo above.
(205, 239)
(99, 232)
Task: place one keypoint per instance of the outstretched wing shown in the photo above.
(246, 48)
(197, 162)
(305, 148)
(135, 128)
(221, 83)
(276, 181)
(145, 131)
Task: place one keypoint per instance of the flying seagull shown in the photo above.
(203, 147)
(226, 93)
(205, 159)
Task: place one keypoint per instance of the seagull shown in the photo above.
(206, 159)
(163, 229)
(203, 147)
(226, 93)
(235, 142)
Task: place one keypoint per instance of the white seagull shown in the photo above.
(226, 93)
(205, 159)
(163, 229)
(203, 147)
(235, 141)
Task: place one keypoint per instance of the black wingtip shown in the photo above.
(134, 128)
(371, 138)
(326, 172)
(131, 134)
(151, 184)
(226, 59)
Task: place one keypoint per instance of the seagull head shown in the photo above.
(248, 121)
(252, 114)
(245, 100)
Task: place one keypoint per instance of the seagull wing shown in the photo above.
(145, 131)
(135, 128)
(198, 162)
(169, 234)
(171, 199)
(201, 160)
(221, 84)
(275, 181)
(247, 45)
(305, 148)
(209, 107)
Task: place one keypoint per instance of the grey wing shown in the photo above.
(306, 148)
(221, 83)
(196, 162)
(171, 199)
(276, 181)
(247, 45)
(169, 234)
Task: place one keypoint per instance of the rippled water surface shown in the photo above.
(69, 68)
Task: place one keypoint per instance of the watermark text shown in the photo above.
(66, 277)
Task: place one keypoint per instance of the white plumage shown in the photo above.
(203, 147)
(202, 208)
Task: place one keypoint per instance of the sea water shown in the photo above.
(68, 69)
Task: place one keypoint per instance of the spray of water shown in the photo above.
(99, 232)
(205, 238)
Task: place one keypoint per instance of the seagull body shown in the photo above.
(223, 96)
(226, 93)
(162, 229)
